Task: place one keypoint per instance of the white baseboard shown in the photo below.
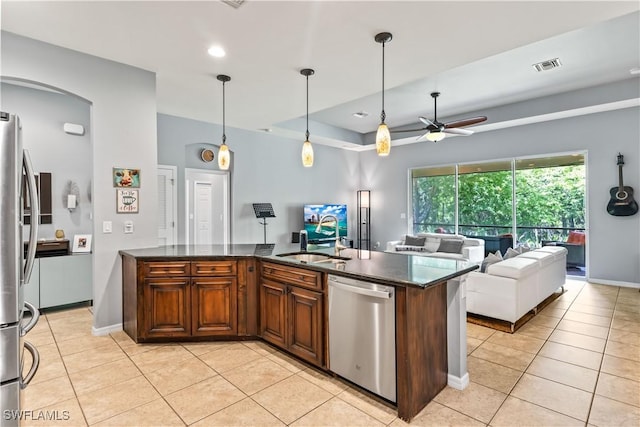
(106, 330)
(457, 382)
(613, 283)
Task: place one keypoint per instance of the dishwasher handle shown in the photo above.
(362, 291)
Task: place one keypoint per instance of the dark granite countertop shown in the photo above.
(380, 267)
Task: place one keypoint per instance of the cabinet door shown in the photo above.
(167, 306)
(305, 324)
(273, 312)
(214, 306)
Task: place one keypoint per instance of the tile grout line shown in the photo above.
(529, 364)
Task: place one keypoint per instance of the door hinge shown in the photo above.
(172, 181)
(173, 224)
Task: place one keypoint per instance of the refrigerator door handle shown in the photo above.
(35, 216)
(35, 315)
(34, 366)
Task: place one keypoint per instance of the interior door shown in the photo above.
(202, 210)
(207, 207)
(167, 195)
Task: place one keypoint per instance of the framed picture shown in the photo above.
(129, 178)
(126, 200)
(81, 243)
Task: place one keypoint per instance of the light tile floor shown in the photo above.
(576, 363)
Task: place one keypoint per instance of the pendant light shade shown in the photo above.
(224, 157)
(383, 137)
(307, 149)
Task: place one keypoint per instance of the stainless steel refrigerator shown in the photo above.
(17, 317)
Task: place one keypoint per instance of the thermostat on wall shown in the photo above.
(73, 129)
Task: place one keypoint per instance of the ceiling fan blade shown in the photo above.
(407, 130)
(423, 136)
(427, 121)
(458, 131)
(465, 122)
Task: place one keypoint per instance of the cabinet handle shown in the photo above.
(301, 277)
(250, 269)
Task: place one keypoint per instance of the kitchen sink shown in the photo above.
(313, 257)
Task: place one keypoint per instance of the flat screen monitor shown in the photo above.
(326, 230)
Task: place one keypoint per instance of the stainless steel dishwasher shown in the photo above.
(362, 334)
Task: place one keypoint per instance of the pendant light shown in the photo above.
(383, 137)
(307, 149)
(224, 157)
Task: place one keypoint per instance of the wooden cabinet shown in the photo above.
(188, 299)
(292, 304)
(167, 307)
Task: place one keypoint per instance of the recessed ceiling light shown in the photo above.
(266, 130)
(216, 51)
(634, 70)
(360, 114)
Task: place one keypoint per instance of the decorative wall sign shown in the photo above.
(129, 178)
(126, 200)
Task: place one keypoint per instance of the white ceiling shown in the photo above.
(478, 54)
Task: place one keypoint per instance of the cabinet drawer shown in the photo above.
(213, 268)
(292, 275)
(166, 269)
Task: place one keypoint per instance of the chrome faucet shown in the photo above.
(338, 246)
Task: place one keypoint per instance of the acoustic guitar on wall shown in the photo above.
(621, 203)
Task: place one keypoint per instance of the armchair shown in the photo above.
(575, 248)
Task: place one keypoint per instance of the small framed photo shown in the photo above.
(81, 243)
(127, 178)
(126, 200)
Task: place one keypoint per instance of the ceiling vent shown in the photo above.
(233, 3)
(548, 64)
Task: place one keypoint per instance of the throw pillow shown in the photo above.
(414, 241)
(511, 253)
(490, 259)
(451, 246)
(411, 248)
(523, 248)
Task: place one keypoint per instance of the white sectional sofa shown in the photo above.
(472, 250)
(511, 288)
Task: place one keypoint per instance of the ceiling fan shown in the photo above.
(436, 131)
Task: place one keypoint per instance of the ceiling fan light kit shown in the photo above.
(383, 136)
(307, 148)
(224, 157)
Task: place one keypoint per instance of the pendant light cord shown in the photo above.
(224, 136)
(306, 134)
(383, 115)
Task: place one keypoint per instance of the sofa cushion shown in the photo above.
(492, 258)
(557, 251)
(544, 258)
(452, 246)
(414, 240)
(514, 268)
(411, 248)
(511, 253)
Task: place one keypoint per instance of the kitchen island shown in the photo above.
(250, 292)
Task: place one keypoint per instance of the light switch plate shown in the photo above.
(107, 227)
(128, 227)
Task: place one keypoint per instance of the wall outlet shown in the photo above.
(128, 227)
(107, 227)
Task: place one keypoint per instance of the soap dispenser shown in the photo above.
(303, 240)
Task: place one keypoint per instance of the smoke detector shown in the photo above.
(549, 64)
(233, 3)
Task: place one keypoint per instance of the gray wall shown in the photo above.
(264, 168)
(123, 134)
(68, 157)
(613, 242)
